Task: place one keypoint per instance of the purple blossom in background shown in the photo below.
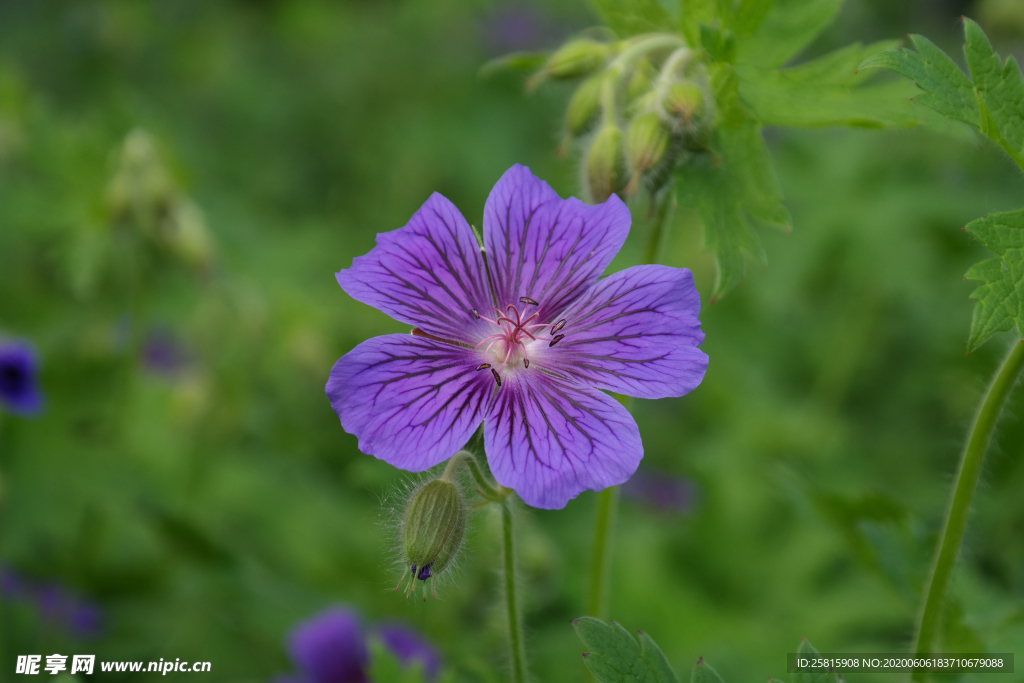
(409, 647)
(162, 354)
(19, 384)
(53, 603)
(330, 647)
(524, 342)
(661, 491)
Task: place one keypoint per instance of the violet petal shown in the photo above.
(428, 274)
(635, 332)
(545, 247)
(549, 439)
(411, 401)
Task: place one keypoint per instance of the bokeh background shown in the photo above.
(180, 180)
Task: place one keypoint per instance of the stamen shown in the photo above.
(497, 377)
(483, 365)
(526, 362)
(528, 300)
(559, 325)
(556, 340)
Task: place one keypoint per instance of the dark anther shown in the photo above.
(497, 377)
(526, 362)
(528, 300)
(557, 339)
(412, 569)
(425, 572)
(559, 325)
(474, 312)
(483, 365)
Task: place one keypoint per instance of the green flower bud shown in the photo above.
(646, 142)
(433, 526)
(640, 80)
(583, 105)
(684, 100)
(577, 58)
(604, 163)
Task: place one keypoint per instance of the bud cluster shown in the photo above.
(640, 105)
(143, 197)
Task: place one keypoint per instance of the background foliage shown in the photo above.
(189, 476)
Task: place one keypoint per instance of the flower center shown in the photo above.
(516, 332)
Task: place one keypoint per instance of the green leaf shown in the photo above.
(630, 17)
(946, 89)
(725, 190)
(385, 668)
(720, 44)
(693, 13)
(614, 656)
(703, 673)
(748, 16)
(787, 28)
(1001, 296)
(805, 648)
(1001, 88)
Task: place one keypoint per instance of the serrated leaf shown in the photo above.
(1000, 298)
(787, 29)
(716, 187)
(614, 656)
(805, 648)
(631, 17)
(1000, 86)
(703, 673)
(748, 16)
(693, 13)
(946, 89)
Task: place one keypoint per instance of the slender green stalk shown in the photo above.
(601, 553)
(517, 653)
(599, 588)
(963, 493)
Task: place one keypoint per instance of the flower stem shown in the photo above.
(517, 653)
(963, 493)
(601, 554)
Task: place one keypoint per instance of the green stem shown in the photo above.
(619, 65)
(963, 492)
(601, 553)
(517, 653)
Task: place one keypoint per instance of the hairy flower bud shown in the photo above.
(604, 163)
(433, 526)
(640, 80)
(583, 105)
(646, 142)
(684, 100)
(576, 58)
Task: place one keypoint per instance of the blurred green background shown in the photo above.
(180, 180)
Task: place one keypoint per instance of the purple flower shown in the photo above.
(524, 341)
(53, 603)
(19, 389)
(331, 648)
(408, 647)
(661, 491)
(162, 354)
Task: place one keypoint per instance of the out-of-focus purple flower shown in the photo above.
(527, 341)
(330, 647)
(19, 384)
(53, 603)
(409, 647)
(162, 354)
(661, 491)
(515, 27)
